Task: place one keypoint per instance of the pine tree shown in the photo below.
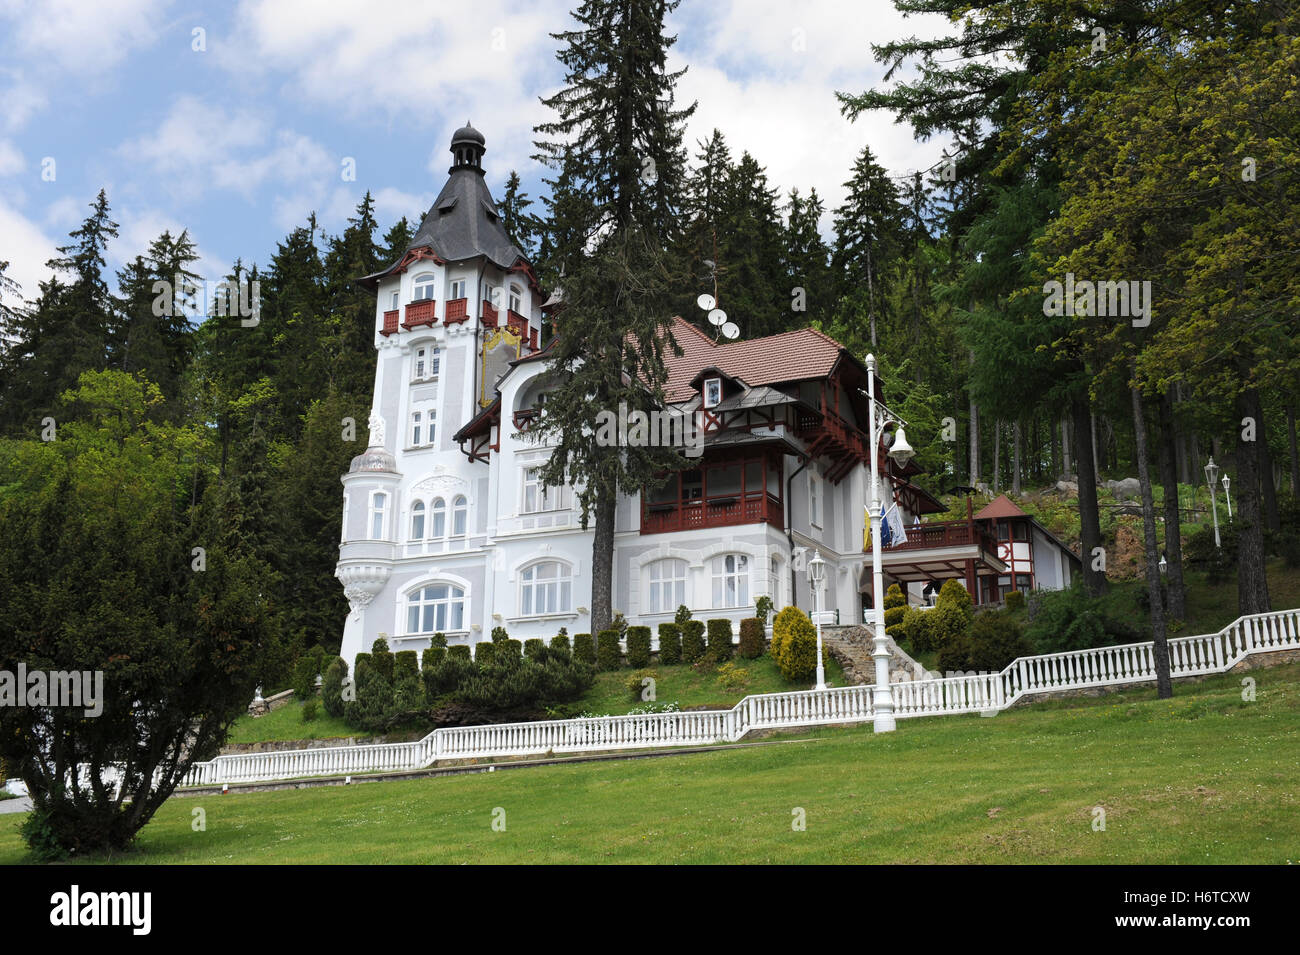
(615, 149)
(807, 259)
(519, 223)
(867, 237)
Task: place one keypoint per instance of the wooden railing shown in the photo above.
(390, 322)
(720, 511)
(420, 313)
(947, 534)
(457, 310)
(984, 693)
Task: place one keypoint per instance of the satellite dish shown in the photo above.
(705, 301)
(717, 316)
(730, 330)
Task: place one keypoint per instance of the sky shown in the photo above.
(237, 120)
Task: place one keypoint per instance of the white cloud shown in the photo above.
(83, 38)
(11, 160)
(26, 248)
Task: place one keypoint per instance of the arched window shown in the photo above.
(545, 587)
(422, 287)
(438, 524)
(667, 585)
(459, 515)
(435, 607)
(730, 581)
(417, 521)
(378, 504)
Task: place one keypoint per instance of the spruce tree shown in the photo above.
(867, 238)
(615, 149)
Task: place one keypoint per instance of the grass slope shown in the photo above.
(1203, 778)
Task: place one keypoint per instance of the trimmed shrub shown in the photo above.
(432, 656)
(381, 659)
(1015, 600)
(508, 652)
(719, 640)
(752, 638)
(638, 647)
(439, 639)
(796, 653)
(561, 642)
(309, 666)
(692, 641)
(499, 635)
(332, 687)
(953, 594)
(895, 607)
(534, 648)
(459, 651)
(408, 693)
(485, 652)
(915, 629)
(994, 641)
(584, 648)
(670, 643)
(683, 614)
(608, 654)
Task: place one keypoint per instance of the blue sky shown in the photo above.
(240, 140)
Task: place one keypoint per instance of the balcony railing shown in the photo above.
(489, 314)
(390, 323)
(721, 511)
(517, 322)
(457, 310)
(420, 313)
(946, 534)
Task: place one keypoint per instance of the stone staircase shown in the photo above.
(851, 647)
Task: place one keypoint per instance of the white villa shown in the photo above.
(446, 528)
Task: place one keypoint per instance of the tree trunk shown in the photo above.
(1164, 685)
(1268, 490)
(602, 564)
(1291, 446)
(1252, 583)
(1092, 439)
(1015, 463)
(997, 455)
(974, 443)
(1168, 453)
(1094, 577)
(1067, 470)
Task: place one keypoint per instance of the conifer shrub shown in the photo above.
(534, 647)
(561, 642)
(485, 652)
(994, 640)
(796, 651)
(432, 656)
(692, 641)
(460, 651)
(782, 628)
(763, 609)
(584, 648)
(305, 671)
(683, 614)
(608, 654)
(638, 647)
(508, 652)
(1014, 600)
(915, 629)
(499, 634)
(670, 643)
(332, 686)
(720, 635)
(752, 638)
(895, 607)
(381, 659)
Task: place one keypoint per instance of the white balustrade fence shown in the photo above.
(1046, 673)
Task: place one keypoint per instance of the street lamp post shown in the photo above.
(882, 701)
(1212, 472)
(1226, 499)
(816, 577)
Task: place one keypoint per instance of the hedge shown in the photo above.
(752, 638)
(484, 653)
(670, 643)
(608, 654)
(460, 651)
(584, 648)
(534, 648)
(432, 656)
(692, 641)
(331, 690)
(561, 642)
(719, 640)
(638, 647)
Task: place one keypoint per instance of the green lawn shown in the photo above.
(1203, 778)
(286, 723)
(691, 690)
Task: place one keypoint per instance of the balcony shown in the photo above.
(757, 507)
(490, 318)
(938, 551)
(517, 323)
(420, 313)
(457, 310)
(390, 323)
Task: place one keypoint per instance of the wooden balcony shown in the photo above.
(518, 323)
(457, 311)
(755, 508)
(490, 318)
(962, 549)
(390, 323)
(420, 313)
(947, 534)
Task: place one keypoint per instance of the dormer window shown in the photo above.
(712, 392)
(457, 290)
(422, 287)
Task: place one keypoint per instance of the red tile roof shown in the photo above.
(1000, 506)
(789, 356)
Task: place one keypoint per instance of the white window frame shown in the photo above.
(437, 519)
(543, 497)
(417, 428)
(712, 392)
(418, 513)
(540, 596)
(424, 282)
(735, 578)
(396, 301)
(457, 289)
(378, 515)
(444, 612)
(816, 500)
(666, 585)
(459, 515)
(516, 299)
